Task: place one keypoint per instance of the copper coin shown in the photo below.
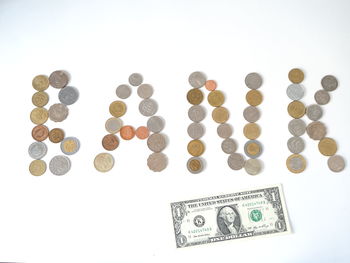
(254, 97)
(195, 148)
(296, 163)
(40, 82)
(336, 163)
(110, 142)
(316, 130)
(296, 75)
(39, 115)
(117, 108)
(37, 167)
(327, 146)
(127, 132)
(210, 85)
(216, 98)
(220, 114)
(58, 79)
(56, 135)
(40, 98)
(142, 132)
(251, 131)
(40, 133)
(195, 96)
(296, 109)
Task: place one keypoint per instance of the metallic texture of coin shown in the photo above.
(117, 108)
(195, 130)
(195, 165)
(253, 166)
(113, 125)
(197, 79)
(156, 142)
(60, 165)
(322, 97)
(145, 91)
(229, 145)
(68, 95)
(329, 83)
(135, 79)
(127, 132)
(254, 97)
(40, 82)
(58, 112)
(104, 162)
(56, 135)
(253, 149)
(58, 79)
(37, 167)
(296, 163)
(296, 75)
(210, 85)
(37, 150)
(110, 142)
(297, 127)
(40, 98)
(216, 98)
(157, 162)
(40, 133)
(236, 161)
(70, 145)
(155, 124)
(314, 112)
(296, 109)
(148, 107)
(142, 132)
(251, 131)
(195, 96)
(296, 144)
(253, 80)
(336, 163)
(196, 113)
(224, 130)
(327, 146)
(39, 115)
(220, 114)
(316, 130)
(251, 114)
(123, 91)
(295, 91)
(196, 148)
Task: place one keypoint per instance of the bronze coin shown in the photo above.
(40, 133)
(40, 82)
(220, 114)
(195, 148)
(110, 142)
(327, 146)
(296, 75)
(251, 131)
(195, 96)
(117, 108)
(296, 109)
(254, 97)
(40, 98)
(216, 98)
(56, 135)
(39, 115)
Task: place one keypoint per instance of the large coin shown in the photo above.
(148, 107)
(253, 149)
(68, 95)
(316, 130)
(195, 96)
(37, 167)
(251, 131)
(195, 148)
(329, 83)
(253, 80)
(327, 146)
(135, 79)
(196, 113)
(336, 163)
(155, 124)
(113, 125)
(254, 97)
(145, 91)
(56, 135)
(157, 162)
(123, 91)
(104, 162)
(296, 144)
(253, 166)
(296, 109)
(58, 79)
(40, 133)
(229, 146)
(322, 97)
(110, 142)
(296, 163)
(296, 75)
(37, 150)
(70, 145)
(40, 82)
(297, 127)
(220, 114)
(117, 108)
(197, 79)
(251, 114)
(224, 130)
(195, 165)
(195, 130)
(39, 115)
(236, 161)
(40, 98)
(314, 112)
(216, 98)
(59, 165)
(295, 91)
(156, 142)
(58, 112)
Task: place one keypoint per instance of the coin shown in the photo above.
(297, 127)
(236, 161)
(295, 144)
(135, 79)
(296, 109)
(253, 166)
(327, 146)
(253, 148)
(127, 132)
(113, 125)
(40, 98)
(296, 75)
(336, 163)
(142, 132)
(210, 85)
(322, 97)
(37, 150)
(60, 165)
(145, 91)
(110, 142)
(254, 97)
(148, 107)
(104, 162)
(40, 133)
(117, 108)
(296, 163)
(228, 146)
(68, 95)
(156, 142)
(39, 115)
(123, 91)
(37, 167)
(224, 130)
(253, 80)
(251, 114)
(58, 112)
(58, 79)
(195, 96)
(295, 91)
(195, 148)
(197, 79)
(316, 130)
(40, 82)
(157, 162)
(216, 98)
(195, 130)
(251, 131)
(196, 113)
(329, 83)
(314, 112)
(220, 114)
(70, 145)
(56, 135)
(155, 124)
(195, 165)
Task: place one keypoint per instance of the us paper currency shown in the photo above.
(246, 214)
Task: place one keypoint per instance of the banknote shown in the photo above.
(245, 214)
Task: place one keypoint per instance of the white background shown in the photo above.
(124, 215)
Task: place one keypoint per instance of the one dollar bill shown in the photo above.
(245, 214)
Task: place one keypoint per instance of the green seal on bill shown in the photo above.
(255, 215)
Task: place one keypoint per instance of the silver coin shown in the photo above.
(113, 125)
(135, 79)
(253, 166)
(253, 80)
(195, 130)
(297, 127)
(196, 113)
(155, 124)
(70, 145)
(123, 91)
(322, 97)
(148, 107)
(236, 161)
(258, 148)
(314, 112)
(224, 130)
(68, 95)
(251, 114)
(58, 79)
(296, 163)
(59, 165)
(329, 83)
(295, 91)
(145, 91)
(316, 130)
(156, 142)
(157, 162)
(229, 146)
(336, 163)
(197, 79)
(195, 165)
(296, 144)
(58, 112)
(37, 150)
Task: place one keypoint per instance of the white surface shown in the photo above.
(124, 216)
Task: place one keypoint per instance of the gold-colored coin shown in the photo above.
(327, 146)
(37, 167)
(220, 114)
(117, 108)
(253, 149)
(40, 82)
(40, 98)
(296, 75)
(195, 147)
(296, 163)
(104, 162)
(251, 131)
(216, 98)
(254, 97)
(195, 96)
(296, 109)
(195, 165)
(39, 115)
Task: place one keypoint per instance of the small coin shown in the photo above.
(40, 82)
(229, 146)
(253, 166)
(197, 79)
(60, 165)
(253, 80)
(296, 144)
(58, 112)
(322, 97)
(316, 130)
(251, 114)
(236, 161)
(58, 79)
(40, 133)
(37, 167)
(110, 142)
(104, 162)
(314, 112)
(123, 91)
(157, 162)
(195, 165)
(145, 91)
(253, 149)
(117, 108)
(127, 132)
(254, 97)
(251, 131)
(195, 148)
(210, 85)
(68, 95)
(224, 130)
(195, 96)
(142, 132)
(220, 114)
(296, 163)
(39, 115)
(327, 146)
(329, 83)
(195, 130)
(295, 91)
(336, 163)
(155, 124)
(37, 150)
(148, 107)
(40, 98)
(296, 75)
(216, 98)
(135, 79)
(296, 109)
(56, 135)
(297, 127)
(196, 113)
(156, 142)
(70, 145)
(113, 125)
